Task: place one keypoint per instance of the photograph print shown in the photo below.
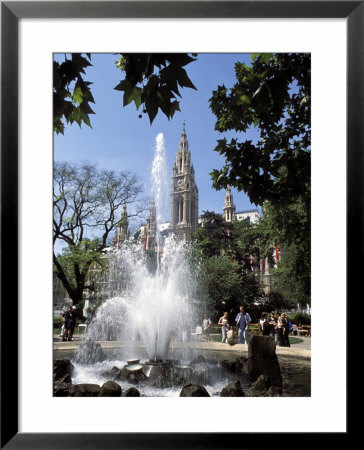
(182, 224)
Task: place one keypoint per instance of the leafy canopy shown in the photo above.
(273, 96)
(213, 237)
(71, 93)
(152, 81)
(290, 227)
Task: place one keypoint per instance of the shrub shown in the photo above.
(299, 318)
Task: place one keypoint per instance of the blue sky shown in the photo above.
(120, 140)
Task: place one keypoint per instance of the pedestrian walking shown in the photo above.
(224, 322)
(243, 320)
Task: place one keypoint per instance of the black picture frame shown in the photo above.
(11, 12)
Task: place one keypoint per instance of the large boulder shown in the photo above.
(85, 390)
(131, 392)
(228, 365)
(260, 387)
(89, 352)
(62, 370)
(110, 389)
(262, 360)
(65, 379)
(62, 389)
(274, 391)
(77, 390)
(114, 374)
(232, 390)
(241, 364)
(193, 390)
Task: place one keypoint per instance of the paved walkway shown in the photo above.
(302, 349)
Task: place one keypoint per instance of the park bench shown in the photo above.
(304, 330)
(82, 325)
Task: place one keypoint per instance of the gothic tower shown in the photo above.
(184, 192)
(122, 229)
(229, 207)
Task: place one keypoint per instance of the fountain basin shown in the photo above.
(134, 367)
(131, 362)
(156, 369)
(295, 369)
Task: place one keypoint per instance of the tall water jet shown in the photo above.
(159, 186)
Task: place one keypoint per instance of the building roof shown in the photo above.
(247, 211)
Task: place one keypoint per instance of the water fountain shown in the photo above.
(148, 307)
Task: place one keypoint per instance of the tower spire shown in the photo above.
(183, 143)
(184, 192)
(122, 230)
(229, 207)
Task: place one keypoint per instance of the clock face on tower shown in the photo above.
(180, 183)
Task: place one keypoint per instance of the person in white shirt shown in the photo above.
(223, 321)
(264, 325)
(206, 325)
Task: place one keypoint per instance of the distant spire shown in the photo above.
(229, 207)
(124, 214)
(183, 144)
(228, 195)
(122, 231)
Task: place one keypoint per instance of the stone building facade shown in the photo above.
(184, 192)
(184, 202)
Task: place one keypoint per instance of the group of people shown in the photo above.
(69, 318)
(242, 320)
(276, 326)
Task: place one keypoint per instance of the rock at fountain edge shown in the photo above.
(110, 389)
(262, 360)
(262, 388)
(232, 390)
(62, 370)
(194, 390)
(131, 392)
